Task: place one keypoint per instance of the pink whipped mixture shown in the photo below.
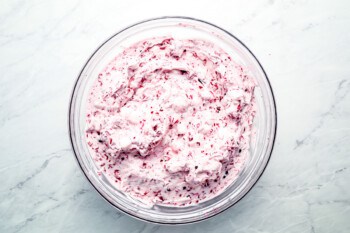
(169, 121)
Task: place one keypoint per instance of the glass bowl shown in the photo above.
(264, 123)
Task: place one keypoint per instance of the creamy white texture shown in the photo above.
(169, 121)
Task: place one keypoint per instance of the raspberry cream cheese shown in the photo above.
(169, 121)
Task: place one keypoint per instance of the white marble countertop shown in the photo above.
(304, 48)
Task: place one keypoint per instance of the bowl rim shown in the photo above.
(70, 110)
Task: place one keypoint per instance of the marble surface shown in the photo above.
(304, 47)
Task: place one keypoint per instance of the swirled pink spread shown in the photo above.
(169, 121)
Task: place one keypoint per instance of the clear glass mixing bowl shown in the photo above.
(261, 145)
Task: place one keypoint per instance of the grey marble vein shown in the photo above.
(341, 93)
(40, 214)
(34, 174)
